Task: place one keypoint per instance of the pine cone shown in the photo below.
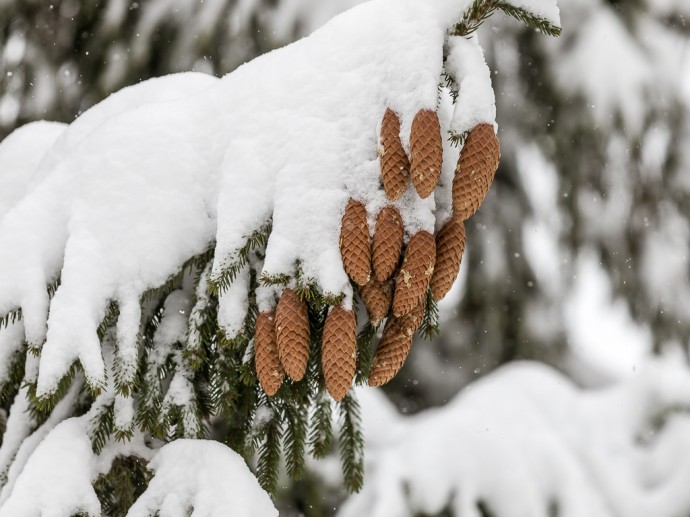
(268, 367)
(414, 275)
(377, 299)
(426, 152)
(395, 167)
(292, 332)
(339, 351)
(388, 242)
(394, 346)
(475, 170)
(450, 245)
(355, 247)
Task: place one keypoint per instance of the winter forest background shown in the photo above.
(578, 259)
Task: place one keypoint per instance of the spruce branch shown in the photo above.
(101, 426)
(430, 327)
(483, 9)
(365, 355)
(11, 318)
(351, 443)
(15, 374)
(321, 433)
(270, 434)
(121, 486)
(256, 241)
(295, 437)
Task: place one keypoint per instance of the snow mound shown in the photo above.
(524, 440)
(204, 476)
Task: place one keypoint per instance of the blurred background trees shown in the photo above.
(580, 256)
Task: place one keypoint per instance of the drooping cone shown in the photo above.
(475, 170)
(292, 333)
(415, 274)
(377, 297)
(395, 167)
(388, 242)
(268, 367)
(426, 152)
(395, 345)
(355, 246)
(450, 245)
(339, 351)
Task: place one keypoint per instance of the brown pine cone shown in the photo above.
(395, 167)
(377, 298)
(475, 170)
(339, 351)
(415, 274)
(292, 333)
(426, 152)
(388, 242)
(268, 368)
(450, 245)
(355, 246)
(394, 346)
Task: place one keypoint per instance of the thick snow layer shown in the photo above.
(525, 438)
(204, 476)
(136, 187)
(20, 154)
(34, 232)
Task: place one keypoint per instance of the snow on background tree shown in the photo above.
(519, 299)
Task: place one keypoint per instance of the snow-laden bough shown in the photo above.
(265, 188)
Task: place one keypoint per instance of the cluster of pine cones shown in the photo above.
(392, 280)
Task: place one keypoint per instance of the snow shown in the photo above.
(524, 438)
(205, 476)
(476, 102)
(20, 154)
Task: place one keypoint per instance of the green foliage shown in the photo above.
(101, 427)
(10, 318)
(365, 352)
(430, 327)
(321, 434)
(351, 443)
(269, 436)
(256, 241)
(482, 9)
(11, 385)
(122, 485)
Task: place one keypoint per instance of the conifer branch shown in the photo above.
(321, 434)
(351, 443)
(365, 355)
(256, 241)
(483, 9)
(430, 327)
